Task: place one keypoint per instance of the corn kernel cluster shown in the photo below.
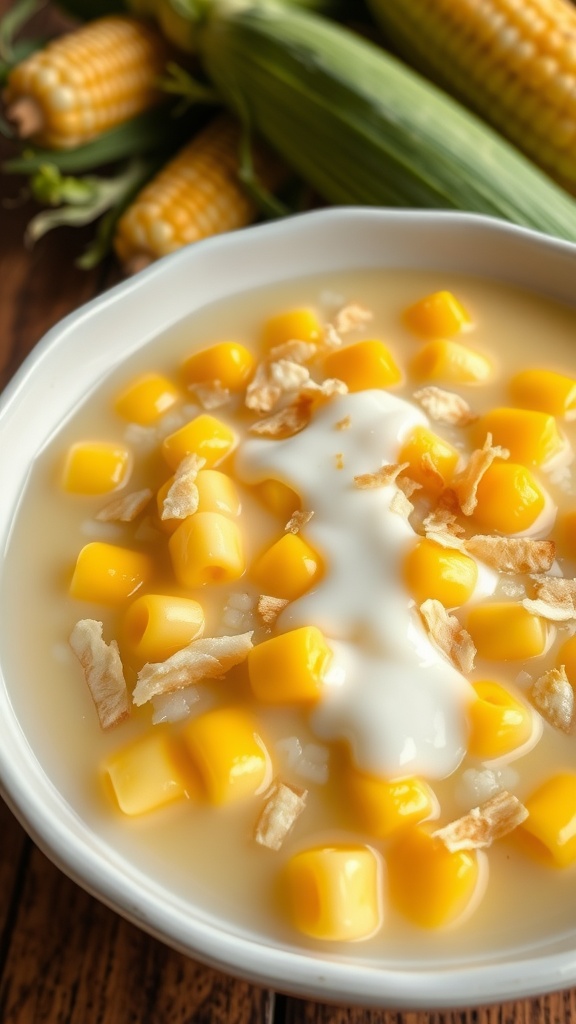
(156, 592)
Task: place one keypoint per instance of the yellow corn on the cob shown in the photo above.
(196, 195)
(86, 82)
(512, 61)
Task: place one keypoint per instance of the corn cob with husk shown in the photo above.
(512, 61)
(358, 125)
(196, 195)
(86, 82)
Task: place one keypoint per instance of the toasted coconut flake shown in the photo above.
(382, 477)
(448, 636)
(269, 608)
(352, 316)
(125, 508)
(329, 388)
(283, 806)
(431, 471)
(445, 406)
(273, 381)
(466, 483)
(209, 658)
(401, 505)
(296, 351)
(343, 424)
(555, 599)
(339, 460)
(408, 485)
(442, 526)
(553, 696)
(287, 421)
(330, 337)
(182, 498)
(211, 394)
(297, 520)
(102, 670)
(513, 554)
(495, 818)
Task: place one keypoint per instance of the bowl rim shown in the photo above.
(52, 823)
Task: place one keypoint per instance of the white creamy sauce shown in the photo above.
(389, 693)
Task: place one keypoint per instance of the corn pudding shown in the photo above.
(305, 624)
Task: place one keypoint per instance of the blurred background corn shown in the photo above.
(512, 61)
(86, 82)
(196, 195)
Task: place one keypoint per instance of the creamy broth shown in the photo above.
(207, 854)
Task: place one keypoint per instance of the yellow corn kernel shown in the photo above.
(150, 773)
(279, 498)
(499, 723)
(552, 817)
(217, 493)
(566, 656)
(157, 625)
(87, 81)
(288, 568)
(290, 667)
(293, 325)
(384, 807)
(509, 500)
(444, 574)
(432, 460)
(439, 315)
(95, 467)
(367, 364)
(506, 631)
(334, 892)
(227, 362)
(430, 885)
(530, 436)
(207, 548)
(544, 390)
(108, 574)
(146, 399)
(228, 754)
(451, 362)
(205, 436)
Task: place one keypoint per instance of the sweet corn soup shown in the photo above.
(301, 586)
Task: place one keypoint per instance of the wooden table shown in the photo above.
(65, 958)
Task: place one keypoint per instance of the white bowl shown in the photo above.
(55, 377)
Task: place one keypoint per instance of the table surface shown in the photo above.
(64, 957)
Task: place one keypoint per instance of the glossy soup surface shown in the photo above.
(207, 854)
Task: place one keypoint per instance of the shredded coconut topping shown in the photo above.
(448, 635)
(297, 520)
(352, 316)
(282, 807)
(466, 482)
(182, 498)
(287, 421)
(269, 608)
(553, 696)
(272, 381)
(102, 670)
(513, 554)
(209, 658)
(211, 394)
(555, 599)
(126, 507)
(495, 818)
(382, 477)
(445, 406)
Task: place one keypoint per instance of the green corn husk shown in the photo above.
(360, 126)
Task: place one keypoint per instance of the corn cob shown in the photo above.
(361, 127)
(197, 194)
(86, 82)
(512, 61)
